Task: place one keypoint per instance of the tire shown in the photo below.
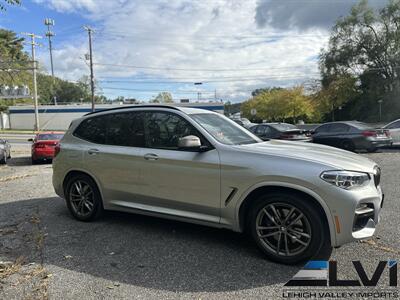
(34, 161)
(372, 150)
(348, 145)
(79, 187)
(294, 245)
(3, 161)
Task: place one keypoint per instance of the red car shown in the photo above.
(44, 144)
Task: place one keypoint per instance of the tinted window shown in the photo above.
(125, 129)
(263, 130)
(323, 128)
(163, 130)
(339, 128)
(92, 130)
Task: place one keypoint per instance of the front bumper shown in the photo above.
(350, 221)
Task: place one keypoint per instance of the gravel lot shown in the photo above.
(44, 253)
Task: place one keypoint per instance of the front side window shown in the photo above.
(223, 130)
(163, 130)
(323, 128)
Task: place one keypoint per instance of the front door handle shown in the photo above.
(93, 151)
(150, 156)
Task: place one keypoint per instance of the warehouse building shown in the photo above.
(59, 117)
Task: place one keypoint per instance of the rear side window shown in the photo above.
(119, 129)
(92, 130)
(125, 129)
(339, 128)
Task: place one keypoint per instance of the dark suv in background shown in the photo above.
(352, 136)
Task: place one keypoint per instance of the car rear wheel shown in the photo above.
(3, 161)
(288, 229)
(83, 198)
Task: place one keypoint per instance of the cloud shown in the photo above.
(304, 14)
(196, 37)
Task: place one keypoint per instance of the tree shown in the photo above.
(366, 45)
(280, 104)
(9, 2)
(163, 97)
(335, 95)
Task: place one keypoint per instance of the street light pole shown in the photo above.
(198, 93)
(380, 109)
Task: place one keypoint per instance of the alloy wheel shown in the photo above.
(283, 229)
(81, 197)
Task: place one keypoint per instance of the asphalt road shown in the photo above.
(45, 253)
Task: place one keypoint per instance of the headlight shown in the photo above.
(2, 146)
(346, 179)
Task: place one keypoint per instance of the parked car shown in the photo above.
(297, 200)
(5, 151)
(43, 146)
(281, 131)
(351, 136)
(243, 122)
(394, 130)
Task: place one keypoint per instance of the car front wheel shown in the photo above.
(83, 198)
(288, 229)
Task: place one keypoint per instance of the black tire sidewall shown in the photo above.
(318, 234)
(98, 204)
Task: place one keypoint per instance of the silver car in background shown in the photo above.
(394, 130)
(296, 200)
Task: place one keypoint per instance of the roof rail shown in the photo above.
(132, 106)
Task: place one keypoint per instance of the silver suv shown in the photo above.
(297, 200)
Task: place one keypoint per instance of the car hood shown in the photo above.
(329, 156)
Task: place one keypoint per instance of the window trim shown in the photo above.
(201, 135)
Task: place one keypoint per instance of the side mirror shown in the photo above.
(30, 140)
(189, 141)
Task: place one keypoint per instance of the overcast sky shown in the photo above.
(142, 47)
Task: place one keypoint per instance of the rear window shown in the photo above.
(361, 125)
(49, 137)
(283, 126)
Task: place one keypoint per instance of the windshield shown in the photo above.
(224, 130)
(49, 137)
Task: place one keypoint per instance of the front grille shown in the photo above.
(377, 176)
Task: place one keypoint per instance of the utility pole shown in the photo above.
(90, 30)
(50, 22)
(35, 97)
(380, 109)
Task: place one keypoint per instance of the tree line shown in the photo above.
(359, 72)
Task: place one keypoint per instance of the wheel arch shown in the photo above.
(262, 188)
(75, 172)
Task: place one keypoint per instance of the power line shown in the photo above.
(192, 69)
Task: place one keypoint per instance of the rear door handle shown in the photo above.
(93, 151)
(150, 156)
